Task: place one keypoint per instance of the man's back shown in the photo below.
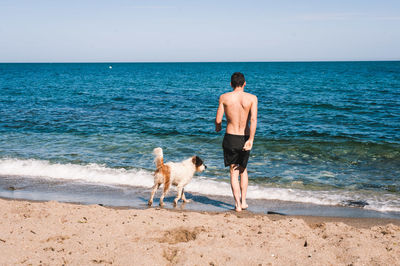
(237, 107)
(240, 109)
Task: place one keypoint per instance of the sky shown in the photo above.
(198, 31)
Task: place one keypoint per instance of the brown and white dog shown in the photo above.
(177, 174)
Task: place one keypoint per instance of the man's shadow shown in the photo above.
(195, 199)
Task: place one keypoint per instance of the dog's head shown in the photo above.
(198, 163)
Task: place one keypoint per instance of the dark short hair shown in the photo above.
(237, 79)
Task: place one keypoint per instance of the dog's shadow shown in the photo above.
(195, 199)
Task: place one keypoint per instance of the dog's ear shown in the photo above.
(197, 161)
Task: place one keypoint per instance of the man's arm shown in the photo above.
(220, 114)
(253, 125)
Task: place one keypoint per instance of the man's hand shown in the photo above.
(218, 127)
(220, 114)
(248, 145)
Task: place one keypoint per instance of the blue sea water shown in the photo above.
(328, 132)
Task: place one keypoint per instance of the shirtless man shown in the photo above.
(240, 109)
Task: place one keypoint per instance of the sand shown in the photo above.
(53, 233)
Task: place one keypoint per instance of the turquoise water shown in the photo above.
(328, 132)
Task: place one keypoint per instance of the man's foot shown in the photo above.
(244, 206)
(238, 209)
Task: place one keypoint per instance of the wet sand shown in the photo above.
(53, 233)
(137, 197)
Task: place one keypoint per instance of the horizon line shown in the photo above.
(150, 62)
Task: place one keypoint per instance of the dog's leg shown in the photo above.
(178, 197)
(184, 197)
(155, 187)
(166, 189)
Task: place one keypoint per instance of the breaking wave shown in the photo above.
(101, 174)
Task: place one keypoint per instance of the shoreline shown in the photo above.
(110, 186)
(63, 233)
(137, 197)
(358, 222)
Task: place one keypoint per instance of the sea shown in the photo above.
(327, 140)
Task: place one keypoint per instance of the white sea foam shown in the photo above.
(376, 201)
(101, 174)
(91, 173)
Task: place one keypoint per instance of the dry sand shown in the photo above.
(52, 233)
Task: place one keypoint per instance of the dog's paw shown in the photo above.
(187, 200)
(150, 203)
(161, 204)
(175, 203)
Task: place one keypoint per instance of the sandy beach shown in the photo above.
(53, 233)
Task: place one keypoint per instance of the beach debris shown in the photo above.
(385, 232)
(2, 240)
(101, 261)
(83, 221)
(58, 239)
(305, 243)
(355, 203)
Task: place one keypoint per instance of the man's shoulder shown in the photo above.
(225, 95)
(251, 96)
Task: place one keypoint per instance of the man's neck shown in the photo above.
(238, 89)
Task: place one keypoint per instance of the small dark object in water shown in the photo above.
(119, 99)
(278, 213)
(12, 188)
(355, 203)
(100, 204)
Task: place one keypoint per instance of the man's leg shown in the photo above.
(234, 171)
(244, 181)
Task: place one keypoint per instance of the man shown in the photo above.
(240, 109)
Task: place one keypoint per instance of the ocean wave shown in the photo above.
(101, 174)
(383, 202)
(93, 173)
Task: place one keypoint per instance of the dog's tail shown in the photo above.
(159, 157)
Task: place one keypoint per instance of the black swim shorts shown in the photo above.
(233, 150)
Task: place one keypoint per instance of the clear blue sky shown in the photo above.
(218, 30)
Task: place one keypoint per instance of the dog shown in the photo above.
(177, 174)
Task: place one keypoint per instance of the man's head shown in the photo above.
(237, 80)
